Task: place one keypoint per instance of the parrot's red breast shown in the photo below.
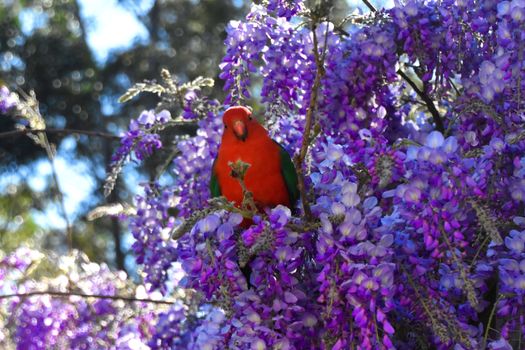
(246, 140)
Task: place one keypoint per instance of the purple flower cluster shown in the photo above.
(170, 331)
(285, 8)
(491, 106)
(289, 69)
(192, 168)
(8, 100)
(511, 268)
(244, 44)
(491, 79)
(141, 137)
(151, 227)
(431, 37)
(205, 272)
(357, 278)
(175, 331)
(72, 322)
(357, 73)
(278, 293)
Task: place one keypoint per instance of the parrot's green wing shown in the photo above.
(215, 189)
(289, 175)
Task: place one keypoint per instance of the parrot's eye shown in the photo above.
(226, 126)
(250, 118)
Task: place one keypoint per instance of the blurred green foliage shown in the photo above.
(17, 225)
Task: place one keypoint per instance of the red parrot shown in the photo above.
(271, 177)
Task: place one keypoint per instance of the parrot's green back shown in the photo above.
(289, 174)
(215, 189)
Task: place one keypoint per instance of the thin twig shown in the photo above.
(162, 169)
(29, 109)
(374, 318)
(16, 133)
(478, 251)
(59, 194)
(458, 93)
(83, 295)
(420, 298)
(491, 316)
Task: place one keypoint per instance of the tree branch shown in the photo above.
(299, 160)
(370, 6)
(83, 295)
(20, 132)
(428, 102)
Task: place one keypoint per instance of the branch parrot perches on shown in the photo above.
(271, 177)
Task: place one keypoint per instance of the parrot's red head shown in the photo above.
(237, 122)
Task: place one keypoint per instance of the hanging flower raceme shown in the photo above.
(141, 138)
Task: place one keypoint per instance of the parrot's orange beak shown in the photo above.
(240, 130)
